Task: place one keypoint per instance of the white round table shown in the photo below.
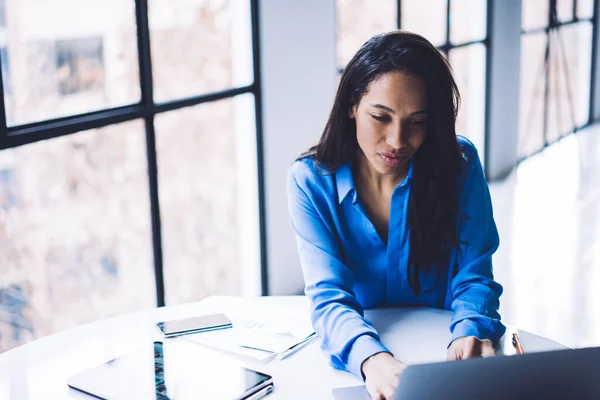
(39, 370)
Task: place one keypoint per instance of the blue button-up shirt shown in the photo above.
(347, 267)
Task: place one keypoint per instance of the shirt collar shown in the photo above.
(408, 178)
(345, 182)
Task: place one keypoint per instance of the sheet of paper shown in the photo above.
(258, 355)
(275, 320)
(252, 338)
(256, 326)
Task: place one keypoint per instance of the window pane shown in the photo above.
(564, 10)
(199, 46)
(68, 57)
(468, 64)
(531, 97)
(75, 241)
(203, 190)
(427, 18)
(585, 8)
(468, 20)
(569, 79)
(358, 21)
(534, 14)
(2, 13)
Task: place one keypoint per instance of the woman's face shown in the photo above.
(391, 121)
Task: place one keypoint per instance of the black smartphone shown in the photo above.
(201, 323)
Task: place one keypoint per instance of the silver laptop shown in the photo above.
(171, 370)
(563, 374)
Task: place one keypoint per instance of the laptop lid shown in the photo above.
(170, 370)
(563, 374)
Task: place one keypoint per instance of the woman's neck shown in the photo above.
(370, 178)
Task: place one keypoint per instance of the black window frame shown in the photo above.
(147, 109)
(555, 25)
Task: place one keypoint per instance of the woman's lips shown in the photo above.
(392, 159)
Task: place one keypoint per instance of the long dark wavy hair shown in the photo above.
(433, 204)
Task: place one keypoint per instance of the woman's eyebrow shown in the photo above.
(381, 106)
(390, 110)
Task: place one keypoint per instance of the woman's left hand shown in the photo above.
(468, 347)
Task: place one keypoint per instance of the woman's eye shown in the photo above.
(419, 122)
(380, 118)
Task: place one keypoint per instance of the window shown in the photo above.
(77, 58)
(457, 27)
(201, 226)
(358, 20)
(2, 14)
(428, 18)
(129, 154)
(198, 47)
(79, 65)
(4, 55)
(5, 69)
(76, 231)
(556, 48)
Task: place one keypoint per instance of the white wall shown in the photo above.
(298, 72)
(504, 69)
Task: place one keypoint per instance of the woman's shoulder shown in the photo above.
(310, 176)
(467, 147)
(472, 170)
(469, 152)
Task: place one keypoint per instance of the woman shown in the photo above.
(392, 208)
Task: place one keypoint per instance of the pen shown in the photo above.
(295, 348)
(517, 343)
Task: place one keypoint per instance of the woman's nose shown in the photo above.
(397, 138)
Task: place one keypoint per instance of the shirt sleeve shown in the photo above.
(337, 316)
(475, 294)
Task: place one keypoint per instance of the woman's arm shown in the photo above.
(337, 317)
(475, 294)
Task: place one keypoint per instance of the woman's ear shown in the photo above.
(352, 112)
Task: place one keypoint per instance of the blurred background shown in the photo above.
(144, 146)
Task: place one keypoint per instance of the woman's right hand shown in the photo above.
(382, 374)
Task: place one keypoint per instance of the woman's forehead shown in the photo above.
(397, 90)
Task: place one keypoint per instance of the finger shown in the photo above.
(487, 350)
(374, 394)
(471, 348)
(467, 351)
(451, 355)
(388, 392)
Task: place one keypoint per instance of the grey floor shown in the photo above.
(548, 216)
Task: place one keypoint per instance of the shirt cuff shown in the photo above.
(467, 327)
(363, 347)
